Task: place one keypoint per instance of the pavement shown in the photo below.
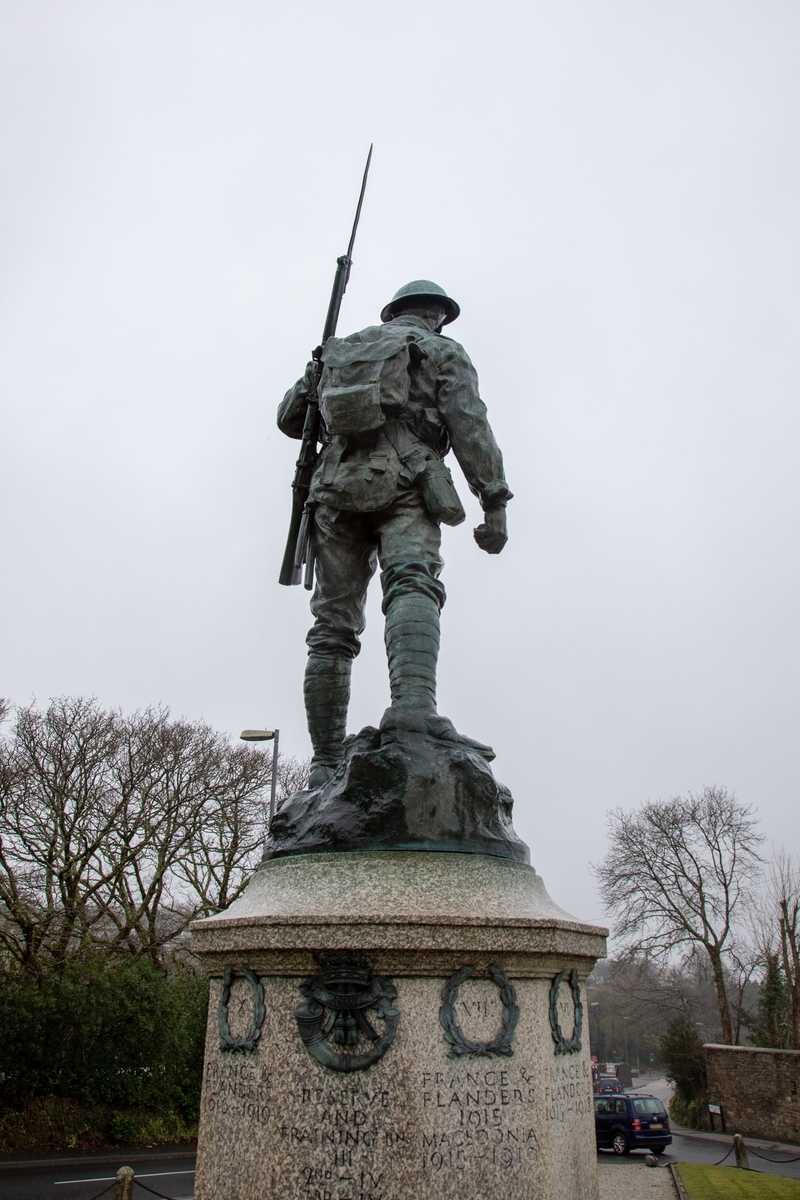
(619, 1183)
(86, 1174)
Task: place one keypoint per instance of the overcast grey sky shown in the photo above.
(609, 188)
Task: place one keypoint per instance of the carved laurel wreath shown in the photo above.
(566, 1045)
(501, 1042)
(248, 1042)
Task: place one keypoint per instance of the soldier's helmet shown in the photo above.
(420, 289)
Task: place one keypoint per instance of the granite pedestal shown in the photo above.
(482, 1093)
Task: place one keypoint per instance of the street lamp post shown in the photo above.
(625, 1029)
(266, 735)
(594, 1004)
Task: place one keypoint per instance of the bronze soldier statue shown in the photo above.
(393, 400)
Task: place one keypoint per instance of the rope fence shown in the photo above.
(750, 1150)
(152, 1191)
(123, 1184)
(108, 1189)
(123, 1187)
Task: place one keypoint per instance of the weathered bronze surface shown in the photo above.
(448, 1017)
(248, 1042)
(570, 1045)
(392, 401)
(401, 789)
(340, 1008)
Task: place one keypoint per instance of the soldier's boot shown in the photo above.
(412, 648)
(327, 693)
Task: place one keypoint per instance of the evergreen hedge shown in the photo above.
(123, 1035)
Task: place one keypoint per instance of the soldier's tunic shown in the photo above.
(368, 489)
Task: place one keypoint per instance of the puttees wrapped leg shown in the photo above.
(327, 693)
(413, 597)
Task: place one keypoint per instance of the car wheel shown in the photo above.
(620, 1144)
(658, 1149)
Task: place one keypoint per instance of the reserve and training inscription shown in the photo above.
(572, 1044)
(459, 1044)
(353, 1134)
(227, 1043)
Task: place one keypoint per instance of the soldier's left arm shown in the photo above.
(292, 409)
(458, 400)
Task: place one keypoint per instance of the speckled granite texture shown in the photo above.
(417, 1124)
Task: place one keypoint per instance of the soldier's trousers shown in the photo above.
(405, 540)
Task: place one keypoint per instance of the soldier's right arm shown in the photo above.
(292, 409)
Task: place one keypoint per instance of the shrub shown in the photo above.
(59, 1123)
(120, 1033)
(685, 1065)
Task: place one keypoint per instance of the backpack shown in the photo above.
(363, 382)
(364, 387)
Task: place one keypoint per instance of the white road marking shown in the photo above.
(112, 1178)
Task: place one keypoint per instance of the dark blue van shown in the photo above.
(634, 1121)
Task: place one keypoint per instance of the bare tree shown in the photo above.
(292, 775)
(230, 836)
(191, 798)
(117, 831)
(784, 894)
(57, 805)
(676, 874)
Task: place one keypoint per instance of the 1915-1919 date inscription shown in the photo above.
(479, 1117)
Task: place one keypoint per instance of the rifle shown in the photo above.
(299, 544)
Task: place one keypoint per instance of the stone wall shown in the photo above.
(758, 1089)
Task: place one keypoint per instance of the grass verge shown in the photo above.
(703, 1182)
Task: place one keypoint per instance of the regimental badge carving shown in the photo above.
(501, 1042)
(227, 1043)
(339, 1008)
(573, 1044)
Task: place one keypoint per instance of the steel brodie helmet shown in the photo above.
(420, 289)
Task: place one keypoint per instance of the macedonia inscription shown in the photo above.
(483, 1115)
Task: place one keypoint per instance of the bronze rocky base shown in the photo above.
(415, 784)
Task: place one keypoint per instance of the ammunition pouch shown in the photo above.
(439, 493)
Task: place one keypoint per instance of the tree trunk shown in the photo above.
(791, 967)
(722, 995)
